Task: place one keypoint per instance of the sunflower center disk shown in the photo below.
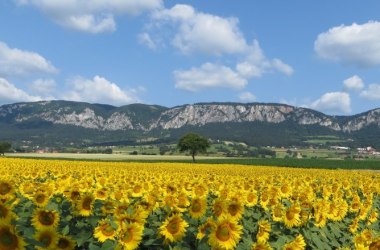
(87, 204)
(46, 218)
(223, 233)
(173, 227)
(8, 240)
(128, 236)
(108, 230)
(4, 188)
(290, 215)
(3, 212)
(196, 207)
(63, 243)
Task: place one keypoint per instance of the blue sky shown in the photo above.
(323, 54)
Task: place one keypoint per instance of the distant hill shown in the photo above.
(63, 123)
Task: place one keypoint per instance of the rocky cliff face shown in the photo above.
(148, 117)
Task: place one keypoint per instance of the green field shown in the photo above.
(370, 164)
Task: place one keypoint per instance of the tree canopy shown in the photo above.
(4, 147)
(194, 144)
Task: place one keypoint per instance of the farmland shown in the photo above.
(61, 204)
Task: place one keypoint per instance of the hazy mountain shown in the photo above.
(64, 122)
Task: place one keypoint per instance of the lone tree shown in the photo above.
(194, 144)
(4, 147)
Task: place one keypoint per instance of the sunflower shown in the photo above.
(292, 216)
(198, 207)
(6, 190)
(9, 240)
(219, 207)
(85, 204)
(297, 244)
(108, 207)
(65, 243)
(48, 238)
(173, 228)
(261, 246)
(40, 198)
(225, 234)
(202, 229)
(130, 236)
(137, 191)
(251, 198)
(372, 218)
(235, 209)
(277, 213)
(353, 227)
(45, 219)
(6, 214)
(375, 245)
(101, 194)
(105, 231)
(264, 231)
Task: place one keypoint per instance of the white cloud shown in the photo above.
(201, 32)
(333, 102)
(145, 39)
(247, 97)
(282, 67)
(93, 16)
(16, 62)
(194, 32)
(356, 44)
(43, 86)
(372, 93)
(208, 76)
(353, 83)
(256, 63)
(9, 93)
(98, 90)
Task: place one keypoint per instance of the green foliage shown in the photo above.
(4, 147)
(194, 144)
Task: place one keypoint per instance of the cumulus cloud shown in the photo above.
(145, 39)
(16, 62)
(333, 102)
(93, 16)
(194, 32)
(43, 86)
(98, 90)
(208, 76)
(256, 63)
(247, 97)
(201, 32)
(356, 44)
(372, 93)
(353, 83)
(9, 93)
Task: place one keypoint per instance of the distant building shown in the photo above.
(339, 148)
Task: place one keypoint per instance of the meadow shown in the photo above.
(62, 204)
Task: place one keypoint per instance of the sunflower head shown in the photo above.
(9, 240)
(45, 219)
(65, 243)
(85, 204)
(197, 207)
(173, 228)
(225, 234)
(48, 238)
(105, 230)
(130, 235)
(40, 198)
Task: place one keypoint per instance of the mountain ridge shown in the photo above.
(144, 119)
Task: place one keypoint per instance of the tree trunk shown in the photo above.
(193, 155)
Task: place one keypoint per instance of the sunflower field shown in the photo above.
(56, 204)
